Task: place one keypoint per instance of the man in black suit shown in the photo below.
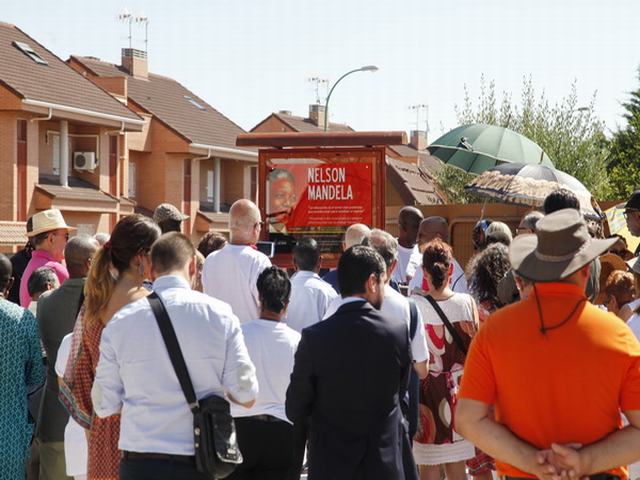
(351, 372)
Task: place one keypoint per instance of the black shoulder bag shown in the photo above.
(214, 432)
(454, 333)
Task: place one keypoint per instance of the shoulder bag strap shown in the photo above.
(454, 333)
(413, 316)
(173, 347)
(80, 302)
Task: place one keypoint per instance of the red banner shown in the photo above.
(315, 194)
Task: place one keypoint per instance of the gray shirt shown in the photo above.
(56, 316)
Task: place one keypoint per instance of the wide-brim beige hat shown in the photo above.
(560, 247)
(47, 221)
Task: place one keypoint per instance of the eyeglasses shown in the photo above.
(65, 235)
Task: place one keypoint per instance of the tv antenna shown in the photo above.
(142, 19)
(126, 17)
(422, 107)
(318, 81)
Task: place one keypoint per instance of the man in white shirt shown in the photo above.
(135, 376)
(396, 305)
(230, 274)
(430, 228)
(265, 434)
(409, 220)
(310, 295)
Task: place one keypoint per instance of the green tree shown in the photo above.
(572, 136)
(624, 150)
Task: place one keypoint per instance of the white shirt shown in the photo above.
(75, 440)
(230, 275)
(457, 281)
(272, 346)
(396, 305)
(135, 374)
(310, 298)
(404, 258)
(338, 302)
(634, 324)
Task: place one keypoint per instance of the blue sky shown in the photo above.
(249, 58)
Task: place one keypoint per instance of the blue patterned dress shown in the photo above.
(20, 367)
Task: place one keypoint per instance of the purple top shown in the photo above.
(40, 258)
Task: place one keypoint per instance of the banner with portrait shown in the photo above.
(319, 197)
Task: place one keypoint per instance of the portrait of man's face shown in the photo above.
(282, 199)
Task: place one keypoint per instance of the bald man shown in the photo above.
(409, 220)
(230, 274)
(356, 234)
(429, 229)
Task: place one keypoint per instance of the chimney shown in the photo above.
(418, 139)
(285, 112)
(135, 62)
(316, 114)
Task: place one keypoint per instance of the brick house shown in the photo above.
(185, 153)
(61, 142)
(411, 170)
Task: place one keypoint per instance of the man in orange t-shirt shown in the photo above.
(557, 369)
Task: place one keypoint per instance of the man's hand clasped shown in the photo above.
(562, 462)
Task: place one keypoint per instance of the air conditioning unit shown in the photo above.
(84, 160)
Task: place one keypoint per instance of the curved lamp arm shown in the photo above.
(367, 68)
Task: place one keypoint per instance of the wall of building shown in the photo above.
(231, 181)
(8, 153)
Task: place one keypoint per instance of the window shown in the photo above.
(194, 102)
(210, 180)
(29, 52)
(132, 180)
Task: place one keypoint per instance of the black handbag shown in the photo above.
(214, 432)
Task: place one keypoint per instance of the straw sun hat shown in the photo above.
(47, 221)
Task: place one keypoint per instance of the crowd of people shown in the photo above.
(398, 364)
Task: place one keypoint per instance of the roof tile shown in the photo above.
(13, 233)
(165, 99)
(55, 82)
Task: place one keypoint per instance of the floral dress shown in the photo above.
(104, 433)
(436, 442)
(21, 360)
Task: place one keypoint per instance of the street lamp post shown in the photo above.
(366, 68)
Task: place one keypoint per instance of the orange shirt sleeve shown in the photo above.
(630, 392)
(478, 379)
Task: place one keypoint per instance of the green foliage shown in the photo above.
(624, 148)
(572, 136)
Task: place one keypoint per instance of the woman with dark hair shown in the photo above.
(451, 321)
(210, 242)
(115, 279)
(485, 272)
(265, 434)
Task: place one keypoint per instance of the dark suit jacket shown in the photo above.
(56, 318)
(350, 373)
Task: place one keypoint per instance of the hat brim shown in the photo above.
(33, 233)
(529, 266)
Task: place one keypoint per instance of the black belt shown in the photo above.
(264, 418)
(157, 456)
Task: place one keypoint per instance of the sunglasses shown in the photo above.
(627, 213)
